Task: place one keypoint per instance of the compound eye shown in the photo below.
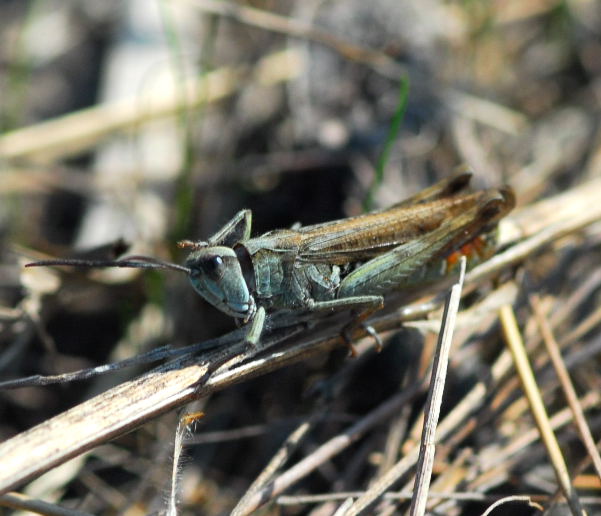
(213, 266)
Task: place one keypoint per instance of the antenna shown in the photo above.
(133, 262)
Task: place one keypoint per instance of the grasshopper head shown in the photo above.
(215, 273)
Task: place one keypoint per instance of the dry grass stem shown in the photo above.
(512, 499)
(450, 423)
(432, 408)
(378, 61)
(78, 131)
(566, 383)
(21, 502)
(537, 407)
(331, 448)
(278, 460)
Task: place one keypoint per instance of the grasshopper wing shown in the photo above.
(419, 218)
(409, 262)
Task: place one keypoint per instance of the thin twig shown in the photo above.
(516, 346)
(512, 499)
(282, 455)
(434, 401)
(23, 502)
(591, 321)
(450, 423)
(511, 451)
(565, 309)
(396, 431)
(72, 133)
(334, 446)
(472, 496)
(154, 355)
(582, 465)
(266, 20)
(566, 383)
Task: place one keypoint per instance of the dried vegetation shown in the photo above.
(140, 123)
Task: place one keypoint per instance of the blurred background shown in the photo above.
(128, 125)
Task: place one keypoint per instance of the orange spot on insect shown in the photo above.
(477, 248)
(452, 259)
(192, 417)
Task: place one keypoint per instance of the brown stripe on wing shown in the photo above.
(372, 234)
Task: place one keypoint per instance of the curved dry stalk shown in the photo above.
(80, 130)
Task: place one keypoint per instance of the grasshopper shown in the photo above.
(347, 264)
